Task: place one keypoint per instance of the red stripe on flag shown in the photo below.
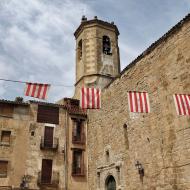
(131, 101)
(39, 90)
(145, 101)
(141, 103)
(182, 103)
(93, 98)
(87, 97)
(83, 97)
(33, 90)
(187, 104)
(45, 90)
(98, 98)
(28, 89)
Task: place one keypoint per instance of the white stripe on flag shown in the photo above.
(148, 102)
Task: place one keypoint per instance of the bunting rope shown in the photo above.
(18, 81)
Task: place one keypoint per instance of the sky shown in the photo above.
(37, 42)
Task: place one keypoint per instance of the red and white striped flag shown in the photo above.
(37, 90)
(90, 98)
(138, 102)
(182, 104)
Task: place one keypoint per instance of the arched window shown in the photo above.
(80, 50)
(106, 45)
(110, 183)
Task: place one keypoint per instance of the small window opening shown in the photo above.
(80, 50)
(3, 169)
(107, 155)
(106, 45)
(5, 137)
(78, 164)
(32, 133)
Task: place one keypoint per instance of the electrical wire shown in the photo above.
(18, 81)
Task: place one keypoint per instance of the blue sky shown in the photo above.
(37, 42)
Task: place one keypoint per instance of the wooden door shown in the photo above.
(48, 137)
(46, 171)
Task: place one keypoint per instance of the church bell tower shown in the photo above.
(97, 54)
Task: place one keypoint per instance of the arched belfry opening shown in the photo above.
(110, 183)
(106, 44)
(80, 50)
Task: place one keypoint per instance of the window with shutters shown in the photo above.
(78, 132)
(78, 162)
(6, 110)
(5, 137)
(3, 168)
(48, 114)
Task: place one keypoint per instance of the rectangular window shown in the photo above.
(6, 110)
(78, 162)
(78, 132)
(48, 114)
(3, 168)
(5, 137)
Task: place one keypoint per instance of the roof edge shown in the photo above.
(95, 21)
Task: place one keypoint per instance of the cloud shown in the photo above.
(37, 43)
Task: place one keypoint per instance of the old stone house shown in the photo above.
(110, 148)
(42, 145)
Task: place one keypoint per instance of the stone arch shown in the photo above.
(110, 183)
(79, 51)
(106, 45)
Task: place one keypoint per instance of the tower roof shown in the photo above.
(85, 22)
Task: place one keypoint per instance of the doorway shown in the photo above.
(48, 137)
(110, 183)
(46, 171)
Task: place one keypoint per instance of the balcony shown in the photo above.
(53, 182)
(76, 171)
(47, 144)
(78, 138)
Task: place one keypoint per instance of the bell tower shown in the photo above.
(97, 54)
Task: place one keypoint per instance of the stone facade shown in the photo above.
(28, 147)
(129, 151)
(159, 140)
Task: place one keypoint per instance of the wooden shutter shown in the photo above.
(48, 137)
(46, 171)
(6, 109)
(48, 114)
(3, 168)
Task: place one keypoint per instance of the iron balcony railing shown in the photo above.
(53, 180)
(47, 144)
(78, 138)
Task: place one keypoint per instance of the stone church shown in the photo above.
(60, 146)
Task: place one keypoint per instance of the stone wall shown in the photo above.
(160, 140)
